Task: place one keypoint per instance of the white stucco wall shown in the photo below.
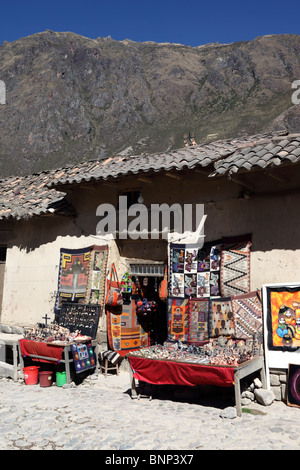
(31, 273)
(31, 278)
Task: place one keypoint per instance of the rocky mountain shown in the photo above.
(70, 98)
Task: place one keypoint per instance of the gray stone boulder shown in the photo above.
(264, 397)
(6, 370)
(229, 413)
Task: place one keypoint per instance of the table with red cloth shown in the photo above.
(48, 352)
(173, 372)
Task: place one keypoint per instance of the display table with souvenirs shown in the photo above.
(222, 362)
(57, 345)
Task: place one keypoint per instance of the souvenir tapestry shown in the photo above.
(221, 318)
(178, 319)
(83, 356)
(125, 334)
(198, 320)
(235, 269)
(247, 311)
(195, 272)
(283, 317)
(95, 291)
(73, 276)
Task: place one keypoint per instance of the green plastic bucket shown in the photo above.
(61, 379)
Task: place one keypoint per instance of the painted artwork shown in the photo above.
(293, 389)
(283, 317)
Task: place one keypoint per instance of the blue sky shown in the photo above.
(186, 22)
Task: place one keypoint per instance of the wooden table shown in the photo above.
(67, 358)
(11, 340)
(193, 374)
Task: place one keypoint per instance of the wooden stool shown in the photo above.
(109, 360)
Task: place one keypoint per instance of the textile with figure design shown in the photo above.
(194, 271)
(73, 276)
(283, 317)
(95, 291)
(178, 319)
(198, 320)
(221, 321)
(124, 332)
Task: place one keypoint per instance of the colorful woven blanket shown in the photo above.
(73, 276)
(95, 291)
(247, 311)
(235, 269)
(124, 332)
(221, 320)
(82, 274)
(198, 320)
(195, 272)
(178, 319)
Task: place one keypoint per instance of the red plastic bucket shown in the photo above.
(31, 375)
(45, 378)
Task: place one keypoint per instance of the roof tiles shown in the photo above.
(22, 197)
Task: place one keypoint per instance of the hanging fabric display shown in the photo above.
(124, 332)
(198, 320)
(163, 287)
(235, 268)
(73, 276)
(95, 291)
(247, 311)
(114, 297)
(178, 319)
(126, 284)
(195, 272)
(221, 320)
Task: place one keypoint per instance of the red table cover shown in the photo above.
(29, 347)
(168, 372)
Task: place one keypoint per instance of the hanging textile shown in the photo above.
(195, 272)
(221, 321)
(125, 334)
(178, 319)
(73, 274)
(82, 274)
(198, 320)
(235, 268)
(247, 310)
(95, 291)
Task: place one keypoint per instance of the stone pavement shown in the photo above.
(99, 414)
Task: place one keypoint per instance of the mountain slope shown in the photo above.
(71, 98)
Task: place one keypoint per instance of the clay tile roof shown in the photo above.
(23, 197)
(274, 153)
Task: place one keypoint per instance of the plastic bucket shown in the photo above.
(61, 378)
(31, 375)
(45, 378)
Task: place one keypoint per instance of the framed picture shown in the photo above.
(281, 317)
(293, 385)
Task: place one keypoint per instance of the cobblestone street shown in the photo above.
(100, 414)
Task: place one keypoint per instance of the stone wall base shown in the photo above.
(278, 383)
